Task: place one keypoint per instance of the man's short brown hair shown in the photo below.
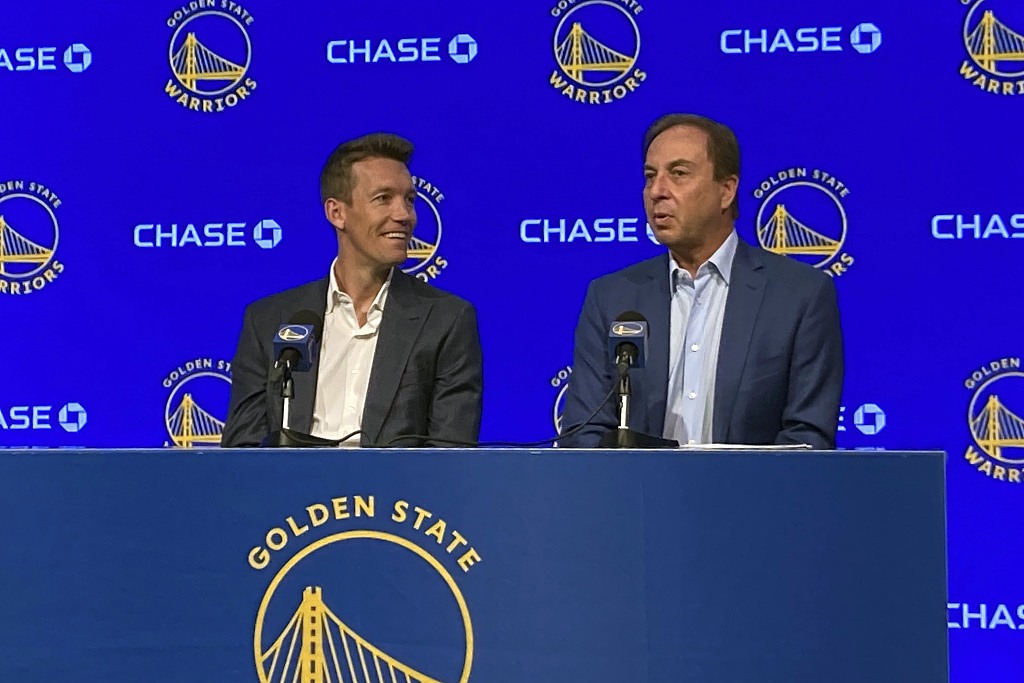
(336, 179)
(723, 148)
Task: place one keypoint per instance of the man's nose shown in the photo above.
(404, 214)
(658, 189)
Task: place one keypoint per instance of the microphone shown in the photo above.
(627, 344)
(295, 348)
(627, 341)
(295, 343)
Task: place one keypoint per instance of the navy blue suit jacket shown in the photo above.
(426, 377)
(780, 360)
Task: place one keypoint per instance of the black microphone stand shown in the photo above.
(623, 436)
(286, 437)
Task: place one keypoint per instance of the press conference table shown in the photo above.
(496, 566)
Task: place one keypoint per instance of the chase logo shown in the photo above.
(802, 216)
(628, 329)
(267, 234)
(357, 570)
(596, 46)
(865, 38)
(199, 392)
(71, 417)
(292, 334)
(993, 47)
(77, 58)
(29, 234)
(462, 49)
(422, 259)
(994, 420)
(950, 226)
(869, 419)
(209, 55)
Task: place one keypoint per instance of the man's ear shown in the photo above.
(730, 185)
(336, 212)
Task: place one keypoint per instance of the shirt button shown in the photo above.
(691, 441)
(700, 300)
(694, 347)
(693, 394)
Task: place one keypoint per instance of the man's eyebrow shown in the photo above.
(671, 164)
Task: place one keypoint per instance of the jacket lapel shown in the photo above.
(305, 382)
(653, 302)
(746, 292)
(404, 316)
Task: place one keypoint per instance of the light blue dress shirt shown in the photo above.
(697, 311)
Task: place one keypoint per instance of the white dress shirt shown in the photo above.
(696, 314)
(346, 356)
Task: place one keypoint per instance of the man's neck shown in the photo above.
(692, 256)
(361, 282)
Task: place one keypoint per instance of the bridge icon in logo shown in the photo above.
(194, 64)
(15, 248)
(628, 330)
(991, 42)
(807, 226)
(316, 646)
(26, 251)
(994, 426)
(579, 53)
(290, 334)
(186, 421)
(784, 234)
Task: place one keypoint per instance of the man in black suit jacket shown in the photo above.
(745, 346)
(398, 357)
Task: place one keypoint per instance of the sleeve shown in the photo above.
(592, 378)
(457, 401)
(247, 422)
(811, 414)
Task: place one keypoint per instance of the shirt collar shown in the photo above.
(335, 296)
(721, 260)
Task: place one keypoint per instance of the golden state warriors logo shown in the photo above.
(596, 47)
(561, 382)
(994, 416)
(361, 597)
(28, 237)
(209, 55)
(197, 405)
(802, 216)
(423, 260)
(995, 51)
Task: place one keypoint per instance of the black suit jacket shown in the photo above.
(780, 361)
(427, 374)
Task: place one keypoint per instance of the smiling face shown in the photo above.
(685, 205)
(376, 227)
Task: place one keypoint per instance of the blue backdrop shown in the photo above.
(159, 167)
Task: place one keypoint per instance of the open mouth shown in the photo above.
(398, 236)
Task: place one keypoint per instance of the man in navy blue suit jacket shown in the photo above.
(745, 345)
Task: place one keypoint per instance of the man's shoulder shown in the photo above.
(633, 275)
(290, 299)
(428, 293)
